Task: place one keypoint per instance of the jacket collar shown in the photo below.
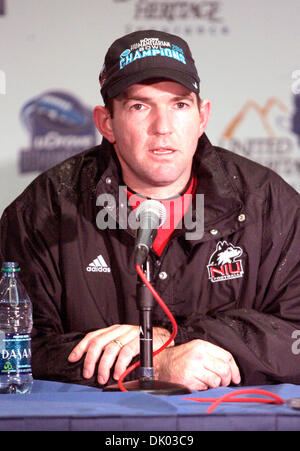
(222, 202)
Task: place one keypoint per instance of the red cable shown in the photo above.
(262, 400)
(257, 391)
(168, 313)
(227, 398)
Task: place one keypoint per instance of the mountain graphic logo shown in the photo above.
(262, 112)
(267, 133)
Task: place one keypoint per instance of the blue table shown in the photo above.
(58, 406)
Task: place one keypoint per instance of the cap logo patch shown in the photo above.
(151, 47)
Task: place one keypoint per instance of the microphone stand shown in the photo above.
(147, 382)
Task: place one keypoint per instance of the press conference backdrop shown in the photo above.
(51, 51)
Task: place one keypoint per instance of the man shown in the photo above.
(233, 289)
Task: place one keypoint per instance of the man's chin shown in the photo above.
(163, 188)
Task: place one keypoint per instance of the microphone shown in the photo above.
(151, 214)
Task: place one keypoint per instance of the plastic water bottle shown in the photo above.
(15, 329)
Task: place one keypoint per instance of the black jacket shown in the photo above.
(237, 286)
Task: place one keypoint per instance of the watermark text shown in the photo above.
(296, 81)
(2, 83)
(179, 214)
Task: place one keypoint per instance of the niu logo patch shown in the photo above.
(224, 264)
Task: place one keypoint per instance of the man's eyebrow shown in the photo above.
(184, 97)
(135, 97)
(176, 98)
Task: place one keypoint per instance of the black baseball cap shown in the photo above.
(144, 55)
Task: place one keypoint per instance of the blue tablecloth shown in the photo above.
(58, 406)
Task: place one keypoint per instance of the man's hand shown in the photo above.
(198, 365)
(100, 344)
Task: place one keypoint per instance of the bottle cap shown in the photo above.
(10, 266)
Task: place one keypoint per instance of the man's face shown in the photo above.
(155, 130)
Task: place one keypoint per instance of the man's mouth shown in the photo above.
(162, 150)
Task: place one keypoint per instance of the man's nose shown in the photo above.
(161, 122)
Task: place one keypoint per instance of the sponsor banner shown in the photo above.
(275, 140)
(187, 17)
(59, 125)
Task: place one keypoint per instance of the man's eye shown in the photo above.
(137, 107)
(181, 105)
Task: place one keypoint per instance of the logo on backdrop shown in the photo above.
(224, 263)
(296, 119)
(2, 7)
(274, 143)
(60, 126)
(184, 17)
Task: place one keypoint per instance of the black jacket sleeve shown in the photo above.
(30, 235)
(262, 336)
(261, 344)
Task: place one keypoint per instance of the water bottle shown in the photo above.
(15, 329)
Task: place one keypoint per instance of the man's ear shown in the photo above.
(103, 122)
(204, 114)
